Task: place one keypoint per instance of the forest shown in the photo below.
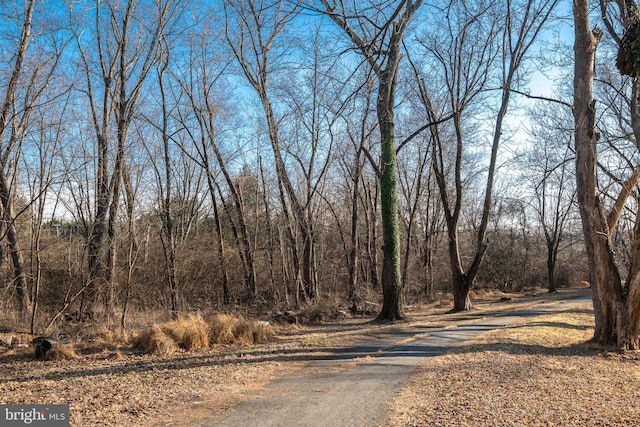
(268, 155)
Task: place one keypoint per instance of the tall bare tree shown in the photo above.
(377, 31)
(616, 303)
(467, 61)
(165, 184)
(30, 70)
(252, 30)
(117, 55)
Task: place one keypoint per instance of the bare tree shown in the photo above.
(252, 30)
(31, 69)
(467, 61)
(617, 317)
(116, 58)
(165, 185)
(546, 168)
(377, 32)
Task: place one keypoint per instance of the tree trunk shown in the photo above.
(461, 282)
(226, 294)
(352, 262)
(269, 247)
(610, 312)
(461, 300)
(391, 279)
(370, 216)
(309, 270)
(552, 256)
(19, 276)
(427, 264)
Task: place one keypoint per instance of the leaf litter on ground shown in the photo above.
(541, 372)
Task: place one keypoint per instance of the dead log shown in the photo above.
(41, 345)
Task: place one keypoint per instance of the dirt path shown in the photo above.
(352, 386)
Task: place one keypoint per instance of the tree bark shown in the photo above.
(552, 256)
(461, 300)
(610, 311)
(391, 278)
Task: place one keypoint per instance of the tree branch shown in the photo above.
(542, 98)
(422, 128)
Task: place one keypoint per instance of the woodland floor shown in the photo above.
(536, 373)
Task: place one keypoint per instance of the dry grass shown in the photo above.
(230, 329)
(263, 332)
(112, 338)
(188, 333)
(61, 352)
(193, 333)
(221, 328)
(155, 341)
(535, 374)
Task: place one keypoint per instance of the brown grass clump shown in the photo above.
(229, 329)
(192, 333)
(155, 341)
(221, 329)
(243, 332)
(189, 333)
(263, 332)
(61, 352)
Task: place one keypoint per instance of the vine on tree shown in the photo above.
(628, 59)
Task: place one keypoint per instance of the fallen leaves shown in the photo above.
(136, 391)
(541, 373)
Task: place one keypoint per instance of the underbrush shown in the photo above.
(187, 333)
